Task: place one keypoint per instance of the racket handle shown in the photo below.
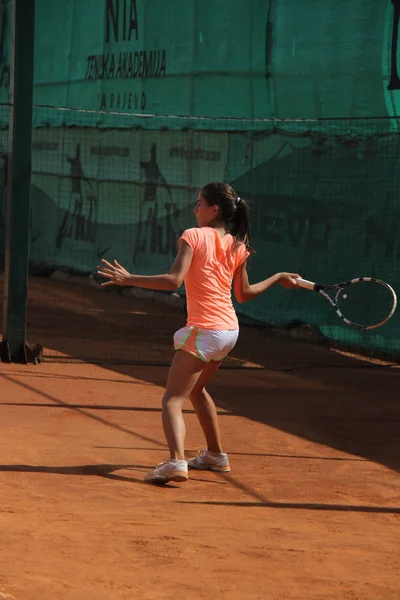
(303, 283)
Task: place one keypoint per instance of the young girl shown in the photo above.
(209, 258)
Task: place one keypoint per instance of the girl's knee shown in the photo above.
(169, 400)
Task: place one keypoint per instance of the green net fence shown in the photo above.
(324, 201)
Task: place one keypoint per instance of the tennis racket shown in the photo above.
(364, 302)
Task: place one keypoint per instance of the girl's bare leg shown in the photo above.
(182, 377)
(205, 408)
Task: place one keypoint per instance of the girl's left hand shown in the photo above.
(116, 274)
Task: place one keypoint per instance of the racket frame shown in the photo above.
(316, 287)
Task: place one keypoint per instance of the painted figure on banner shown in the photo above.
(80, 219)
(157, 227)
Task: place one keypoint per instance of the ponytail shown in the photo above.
(233, 211)
(240, 228)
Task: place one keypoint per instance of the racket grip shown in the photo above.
(303, 283)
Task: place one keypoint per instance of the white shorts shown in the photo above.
(206, 344)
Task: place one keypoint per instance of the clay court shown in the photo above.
(311, 509)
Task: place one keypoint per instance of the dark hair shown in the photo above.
(233, 210)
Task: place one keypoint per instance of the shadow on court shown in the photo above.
(106, 471)
(355, 410)
(302, 506)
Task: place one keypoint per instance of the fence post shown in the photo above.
(19, 182)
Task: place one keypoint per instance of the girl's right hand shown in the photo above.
(288, 280)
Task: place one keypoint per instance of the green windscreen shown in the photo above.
(139, 103)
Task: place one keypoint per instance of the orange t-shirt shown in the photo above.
(209, 279)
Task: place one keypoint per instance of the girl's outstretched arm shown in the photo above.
(117, 275)
(245, 291)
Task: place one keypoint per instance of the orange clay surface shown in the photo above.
(310, 511)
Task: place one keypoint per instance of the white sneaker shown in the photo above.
(172, 470)
(210, 461)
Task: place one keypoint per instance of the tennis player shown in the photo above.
(210, 257)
